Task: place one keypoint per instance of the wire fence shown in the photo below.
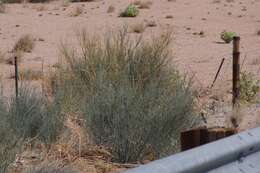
(220, 84)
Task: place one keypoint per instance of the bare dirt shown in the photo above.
(197, 25)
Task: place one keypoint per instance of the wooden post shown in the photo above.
(236, 70)
(16, 76)
(203, 135)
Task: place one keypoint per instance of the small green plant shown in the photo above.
(249, 87)
(130, 11)
(227, 36)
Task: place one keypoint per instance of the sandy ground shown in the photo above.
(195, 54)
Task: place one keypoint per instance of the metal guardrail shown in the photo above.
(207, 157)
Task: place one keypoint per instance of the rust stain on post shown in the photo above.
(236, 70)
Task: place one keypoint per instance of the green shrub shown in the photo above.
(133, 100)
(228, 36)
(249, 87)
(130, 11)
(29, 115)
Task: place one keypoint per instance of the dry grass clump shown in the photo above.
(65, 3)
(138, 28)
(169, 16)
(29, 74)
(40, 7)
(2, 7)
(77, 11)
(151, 23)
(258, 33)
(2, 57)
(143, 4)
(256, 61)
(72, 153)
(24, 44)
(216, 1)
(10, 60)
(111, 9)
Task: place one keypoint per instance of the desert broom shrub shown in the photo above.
(133, 99)
(26, 113)
(30, 115)
(9, 143)
(25, 117)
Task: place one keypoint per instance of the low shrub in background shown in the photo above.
(133, 100)
(227, 36)
(2, 7)
(24, 44)
(130, 11)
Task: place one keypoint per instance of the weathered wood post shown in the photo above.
(196, 137)
(236, 70)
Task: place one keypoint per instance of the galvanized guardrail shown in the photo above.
(208, 157)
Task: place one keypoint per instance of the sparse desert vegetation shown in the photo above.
(133, 75)
(2, 7)
(2, 57)
(143, 4)
(119, 86)
(130, 11)
(138, 28)
(250, 87)
(227, 36)
(111, 9)
(110, 99)
(78, 10)
(24, 44)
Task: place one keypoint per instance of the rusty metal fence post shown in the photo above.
(236, 70)
(16, 76)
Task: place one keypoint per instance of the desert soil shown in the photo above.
(197, 25)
